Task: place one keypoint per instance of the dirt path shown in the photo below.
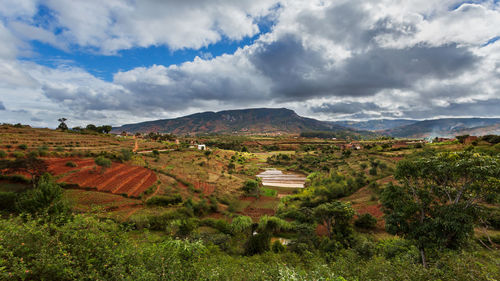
(131, 212)
(156, 192)
(136, 146)
(150, 151)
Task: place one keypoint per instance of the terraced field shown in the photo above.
(118, 179)
(57, 141)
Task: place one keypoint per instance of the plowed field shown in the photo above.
(118, 179)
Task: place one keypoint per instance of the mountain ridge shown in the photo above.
(278, 121)
(273, 121)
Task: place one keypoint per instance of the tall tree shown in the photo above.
(336, 217)
(31, 165)
(62, 126)
(436, 203)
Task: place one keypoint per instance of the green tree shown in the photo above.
(62, 126)
(31, 165)
(241, 224)
(251, 188)
(436, 203)
(45, 199)
(104, 129)
(91, 127)
(260, 240)
(336, 217)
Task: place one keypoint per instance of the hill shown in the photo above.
(272, 121)
(447, 127)
(376, 124)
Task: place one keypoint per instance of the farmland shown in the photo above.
(276, 185)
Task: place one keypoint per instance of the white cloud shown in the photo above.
(350, 58)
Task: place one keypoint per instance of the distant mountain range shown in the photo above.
(276, 121)
(273, 121)
(446, 127)
(375, 124)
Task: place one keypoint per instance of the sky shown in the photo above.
(125, 61)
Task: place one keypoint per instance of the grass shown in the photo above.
(268, 192)
(101, 203)
(57, 141)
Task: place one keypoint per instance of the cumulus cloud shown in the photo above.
(333, 59)
(113, 25)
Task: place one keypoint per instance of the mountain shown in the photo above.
(375, 124)
(243, 121)
(447, 127)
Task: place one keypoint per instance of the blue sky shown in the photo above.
(119, 62)
(104, 66)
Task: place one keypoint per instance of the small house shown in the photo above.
(202, 147)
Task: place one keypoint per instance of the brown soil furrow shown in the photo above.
(149, 181)
(132, 182)
(95, 181)
(113, 180)
(120, 180)
(78, 176)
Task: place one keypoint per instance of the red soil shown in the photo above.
(118, 179)
(256, 213)
(374, 210)
(205, 187)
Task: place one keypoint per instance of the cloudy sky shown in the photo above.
(124, 61)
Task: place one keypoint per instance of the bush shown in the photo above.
(251, 188)
(70, 164)
(366, 221)
(45, 199)
(164, 200)
(102, 162)
(221, 225)
(126, 154)
(22, 146)
(277, 247)
(18, 154)
(3, 154)
(8, 201)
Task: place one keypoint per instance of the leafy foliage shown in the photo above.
(45, 199)
(366, 221)
(436, 204)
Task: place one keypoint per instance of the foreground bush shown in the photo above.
(164, 200)
(88, 249)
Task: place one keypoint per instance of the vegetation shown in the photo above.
(375, 213)
(436, 205)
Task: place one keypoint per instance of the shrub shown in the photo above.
(43, 152)
(221, 225)
(102, 162)
(33, 154)
(70, 164)
(8, 201)
(3, 154)
(164, 200)
(22, 146)
(45, 199)
(366, 221)
(18, 154)
(277, 247)
(186, 226)
(251, 188)
(126, 154)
